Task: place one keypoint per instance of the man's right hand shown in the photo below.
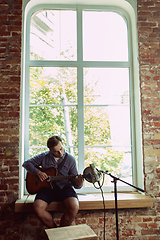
(42, 176)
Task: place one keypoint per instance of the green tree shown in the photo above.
(47, 95)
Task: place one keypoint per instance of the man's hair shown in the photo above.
(53, 141)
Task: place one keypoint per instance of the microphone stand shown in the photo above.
(115, 179)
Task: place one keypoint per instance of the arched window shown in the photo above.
(80, 82)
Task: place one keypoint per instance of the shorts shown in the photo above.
(56, 194)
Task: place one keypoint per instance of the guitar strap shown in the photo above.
(62, 163)
(53, 183)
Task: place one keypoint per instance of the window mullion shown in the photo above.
(80, 91)
(26, 91)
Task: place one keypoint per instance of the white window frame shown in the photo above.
(126, 9)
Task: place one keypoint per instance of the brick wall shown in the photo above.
(134, 223)
(149, 43)
(10, 71)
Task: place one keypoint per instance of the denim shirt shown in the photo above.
(46, 160)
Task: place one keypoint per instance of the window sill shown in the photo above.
(92, 202)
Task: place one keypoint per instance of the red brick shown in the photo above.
(149, 219)
(143, 225)
(3, 187)
(152, 225)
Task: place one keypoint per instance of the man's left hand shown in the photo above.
(79, 180)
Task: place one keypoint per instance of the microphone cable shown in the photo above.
(100, 187)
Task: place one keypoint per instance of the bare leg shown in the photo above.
(72, 206)
(45, 217)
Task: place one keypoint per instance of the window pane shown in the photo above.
(53, 108)
(106, 86)
(54, 86)
(104, 37)
(35, 151)
(47, 121)
(73, 151)
(53, 35)
(119, 120)
(107, 121)
(96, 126)
(116, 161)
(107, 126)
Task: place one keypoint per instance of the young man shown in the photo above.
(62, 190)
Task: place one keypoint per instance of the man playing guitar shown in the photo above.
(63, 190)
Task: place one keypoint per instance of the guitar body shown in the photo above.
(34, 184)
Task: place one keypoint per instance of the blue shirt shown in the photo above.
(46, 160)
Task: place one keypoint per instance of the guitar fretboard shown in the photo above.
(58, 178)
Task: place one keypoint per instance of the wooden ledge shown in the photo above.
(92, 202)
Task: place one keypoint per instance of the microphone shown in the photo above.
(91, 174)
(95, 174)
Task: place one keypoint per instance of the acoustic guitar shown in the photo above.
(34, 184)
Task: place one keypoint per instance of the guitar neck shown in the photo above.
(57, 178)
